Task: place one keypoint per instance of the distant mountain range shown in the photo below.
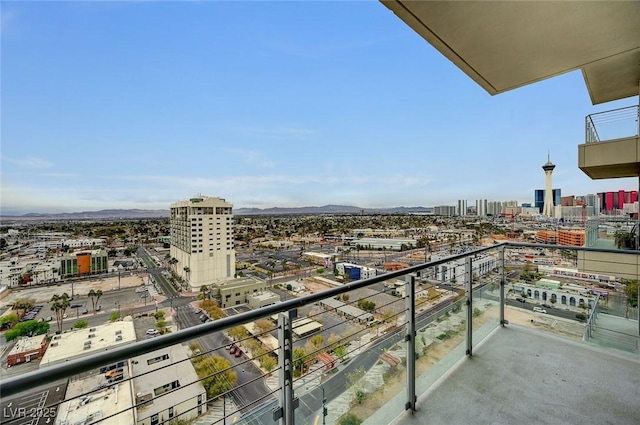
(135, 213)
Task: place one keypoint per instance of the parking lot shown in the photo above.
(34, 408)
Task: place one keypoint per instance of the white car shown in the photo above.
(152, 332)
(539, 310)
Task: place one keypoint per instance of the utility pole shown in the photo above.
(118, 279)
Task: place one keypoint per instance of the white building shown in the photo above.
(462, 207)
(167, 387)
(395, 244)
(202, 240)
(481, 207)
(11, 273)
(81, 342)
(454, 271)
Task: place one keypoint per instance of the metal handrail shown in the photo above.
(613, 119)
(14, 385)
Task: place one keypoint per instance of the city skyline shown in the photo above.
(122, 105)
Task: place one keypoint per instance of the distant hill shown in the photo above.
(332, 209)
(91, 215)
(136, 213)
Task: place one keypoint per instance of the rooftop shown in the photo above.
(80, 342)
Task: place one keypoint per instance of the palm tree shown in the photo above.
(95, 296)
(59, 305)
(22, 306)
(187, 270)
(206, 292)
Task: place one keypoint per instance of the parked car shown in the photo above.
(539, 310)
(85, 311)
(114, 372)
(233, 349)
(152, 332)
(238, 352)
(49, 318)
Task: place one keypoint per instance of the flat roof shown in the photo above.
(177, 367)
(26, 344)
(355, 312)
(72, 344)
(100, 404)
(332, 302)
(263, 296)
(305, 326)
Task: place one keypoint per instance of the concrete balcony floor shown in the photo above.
(525, 376)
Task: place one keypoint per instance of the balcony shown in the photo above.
(487, 343)
(612, 144)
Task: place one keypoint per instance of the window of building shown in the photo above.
(171, 412)
(158, 359)
(166, 387)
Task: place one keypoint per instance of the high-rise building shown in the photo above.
(548, 167)
(539, 196)
(612, 201)
(462, 207)
(202, 240)
(481, 207)
(445, 210)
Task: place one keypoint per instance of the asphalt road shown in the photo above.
(250, 388)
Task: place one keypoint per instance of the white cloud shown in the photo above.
(29, 162)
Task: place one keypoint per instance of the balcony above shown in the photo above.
(506, 45)
(612, 144)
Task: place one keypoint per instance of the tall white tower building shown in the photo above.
(547, 209)
(202, 240)
(462, 207)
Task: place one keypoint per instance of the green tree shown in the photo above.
(80, 324)
(268, 363)
(238, 333)
(59, 305)
(9, 318)
(28, 328)
(22, 306)
(299, 356)
(216, 374)
(114, 316)
(95, 296)
(349, 419)
(205, 292)
(631, 289)
(263, 325)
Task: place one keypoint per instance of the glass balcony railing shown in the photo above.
(615, 124)
(611, 233)
(362, 351)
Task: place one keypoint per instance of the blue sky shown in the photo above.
(141, 104)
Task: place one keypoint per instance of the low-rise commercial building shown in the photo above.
(167, 387)
(236, 291)
(81, 342)
(262, 299)
(27, 349)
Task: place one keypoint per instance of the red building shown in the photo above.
(27, 350)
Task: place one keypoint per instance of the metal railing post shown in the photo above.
(502, 286)
(410, 338)
(284, 412)
(468, 280)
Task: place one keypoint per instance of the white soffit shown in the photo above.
(506, 45)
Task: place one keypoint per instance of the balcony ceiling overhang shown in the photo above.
(506, 45)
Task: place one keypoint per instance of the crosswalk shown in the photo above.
(216, 412)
